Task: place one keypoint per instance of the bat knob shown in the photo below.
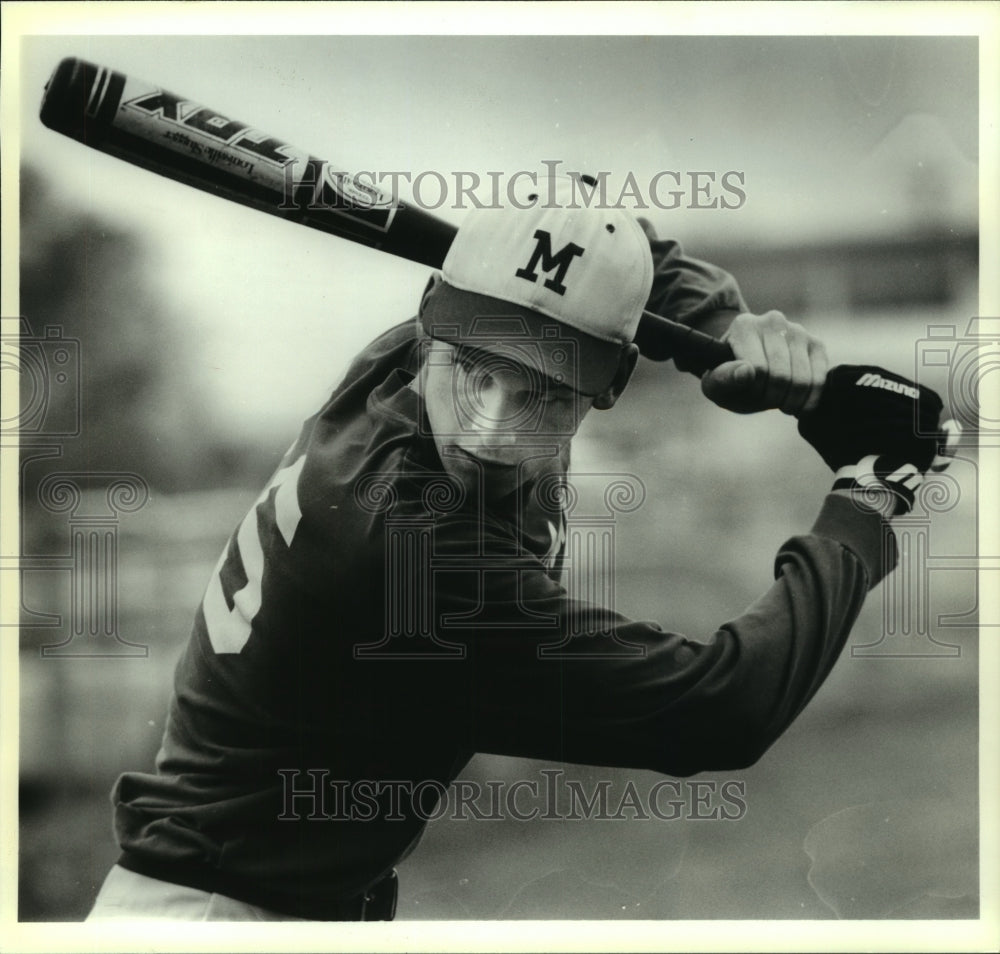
(948, 441)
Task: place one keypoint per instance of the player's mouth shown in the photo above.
(486, 456)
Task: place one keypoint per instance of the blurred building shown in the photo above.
(845, 277)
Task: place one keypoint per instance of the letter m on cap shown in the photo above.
(559, 262)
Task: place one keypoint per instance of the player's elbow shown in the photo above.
(741, 754)
(726, 758)
(722, 758)
(718, 744)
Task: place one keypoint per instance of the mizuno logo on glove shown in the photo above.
(876, 429)
(865, 410)
(871, 380)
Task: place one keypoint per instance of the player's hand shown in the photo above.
(879, 432)
(778, 364)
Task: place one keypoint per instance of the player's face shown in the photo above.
(495, 417)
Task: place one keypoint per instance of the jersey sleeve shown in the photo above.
(692, 292)
(674, 703)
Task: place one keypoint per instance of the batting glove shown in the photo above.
(876, 429)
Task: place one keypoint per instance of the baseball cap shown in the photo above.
(557, 286)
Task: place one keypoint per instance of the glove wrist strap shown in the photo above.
(875, 473)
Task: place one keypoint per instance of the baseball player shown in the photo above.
(389, 605)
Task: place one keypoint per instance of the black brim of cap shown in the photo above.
(567, 356)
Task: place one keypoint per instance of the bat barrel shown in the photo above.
(178, 138)
(182, 140)
(418, 236)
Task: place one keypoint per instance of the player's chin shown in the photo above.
(494, 471)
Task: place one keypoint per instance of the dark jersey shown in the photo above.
(371, 625)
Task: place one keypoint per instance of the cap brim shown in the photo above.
(563, 354)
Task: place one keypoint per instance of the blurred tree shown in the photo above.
(140, 408)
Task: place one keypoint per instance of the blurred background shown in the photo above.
(178, 340)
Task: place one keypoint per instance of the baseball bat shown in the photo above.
(178, 138)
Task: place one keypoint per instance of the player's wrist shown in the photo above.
(876, 484)
(857, 525)
(876, 499)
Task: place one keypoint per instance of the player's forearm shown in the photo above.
(685, 705)
(789, 639)
(743, 687)
(692, 291)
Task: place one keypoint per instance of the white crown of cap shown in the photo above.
(600, 270)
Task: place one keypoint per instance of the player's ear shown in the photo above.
(626, 365)
(432, 283)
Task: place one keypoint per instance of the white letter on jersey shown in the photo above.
(229, 629)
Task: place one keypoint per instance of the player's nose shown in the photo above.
(499, 417)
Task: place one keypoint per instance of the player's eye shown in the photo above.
(467, 361)
(476, 366)
(542, 395)
(555, 393)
